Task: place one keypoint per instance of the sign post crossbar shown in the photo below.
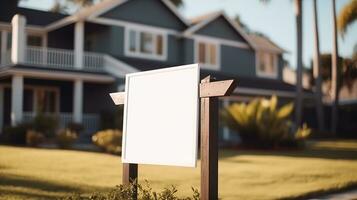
(209, 92)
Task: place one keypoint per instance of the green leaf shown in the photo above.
(285, 111)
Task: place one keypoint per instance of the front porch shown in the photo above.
(79, 100)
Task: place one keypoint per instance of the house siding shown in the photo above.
(188, 51)
(151, 13)
(220, 28)
(237, 61)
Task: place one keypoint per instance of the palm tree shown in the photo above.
(317, 72)
(299, 89)
(334, 73)
(299, 70)
(347, 16)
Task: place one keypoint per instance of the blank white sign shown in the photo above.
(161, 117)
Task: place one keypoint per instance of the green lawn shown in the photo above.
(45, 174)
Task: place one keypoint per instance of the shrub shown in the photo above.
(261, 123)
(65, 138)
(144, 192)
(16, 134)
(109, 140)
(34, 138)
(75, 127)
(45, 124)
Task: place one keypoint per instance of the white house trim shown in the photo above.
(138, 54)
(218, 54)
(219, 40)
(78, 100)
(18, 39)
(17, 99)
(58, 75)
(79, 44)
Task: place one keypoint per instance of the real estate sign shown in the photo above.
(161, 116)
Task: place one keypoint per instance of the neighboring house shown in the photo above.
(67, 65)
(289, 76)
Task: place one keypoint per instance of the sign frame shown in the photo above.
(192, 68)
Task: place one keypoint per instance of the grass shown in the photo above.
(28, 173)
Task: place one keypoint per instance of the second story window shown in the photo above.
(207, 53)
(145, 44)
(267, 65)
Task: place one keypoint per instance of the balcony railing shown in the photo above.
(90, 122)
(62, 59)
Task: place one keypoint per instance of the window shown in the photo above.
(33, 40)
(41, 100)
(267, 64)
(145, 44)
(207, 53)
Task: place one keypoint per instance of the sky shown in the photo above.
(274, 19)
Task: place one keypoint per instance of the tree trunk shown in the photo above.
(299, 89)
(317, 73)
(334, 74)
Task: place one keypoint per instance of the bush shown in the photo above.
(16, 134)
(65, 138)
(45, 124)
(75, 127)
(108, 140)
(144, 192)
(34, 138)
(262, 124)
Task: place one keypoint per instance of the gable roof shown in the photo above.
(265, 44)
(33, 17)
(104, 6)
(201, 21)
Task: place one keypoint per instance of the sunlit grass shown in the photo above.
(41, 173)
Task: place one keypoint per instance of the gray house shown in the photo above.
(66, 65)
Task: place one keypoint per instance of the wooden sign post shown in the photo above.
(209, 93)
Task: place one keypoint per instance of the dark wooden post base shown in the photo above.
(209, 147)
(130, 176)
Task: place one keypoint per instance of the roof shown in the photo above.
(200, 18)
(104, 6)
(33, 17)
(263, 43)
(201, 21)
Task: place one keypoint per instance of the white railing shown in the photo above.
(62, 59)
(90, 121)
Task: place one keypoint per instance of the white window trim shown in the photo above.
(138, 54)
(218, 53)
(263, 74)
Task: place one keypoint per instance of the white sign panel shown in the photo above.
(161, 117)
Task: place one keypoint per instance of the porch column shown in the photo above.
(78, 101)
(1, 107)
(18, 39)
(78, 44)
(17, 99)
(3, 46)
